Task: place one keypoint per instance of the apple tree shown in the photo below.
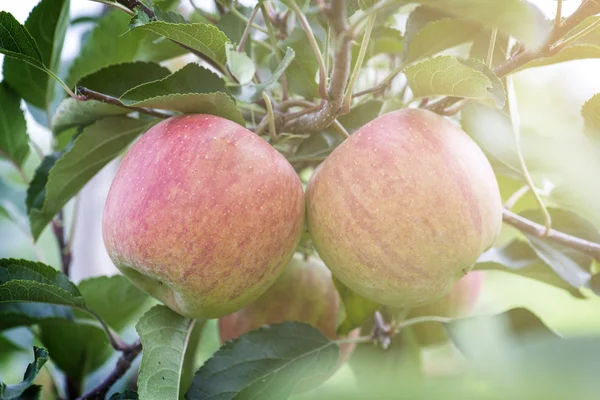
(315, 199)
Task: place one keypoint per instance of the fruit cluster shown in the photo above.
(205, 215)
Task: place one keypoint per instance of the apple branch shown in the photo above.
(330, 108)
(552, 46)
(533, 228)
(86, 94)
(123, 364)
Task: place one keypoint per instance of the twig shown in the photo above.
(247, 30)
(115, 5)
(558, 16)
(113, 338)
(515, 197)
(387, 81)
(270, 116)
(88, 94)
(314, 46)
(133, 4)
(241, 16)
(59, 233)
(273, 40)
(490, 54)
(123, 364)
(340, 128)
(330, 109)
(587, 8)
(381, 331)
(533, 228)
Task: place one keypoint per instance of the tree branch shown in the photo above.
(331, 108)
(123, 364)
(88, 94)
(586, 9)
(533, 228)
(65, 253)
(133, 4)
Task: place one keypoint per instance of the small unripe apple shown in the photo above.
(305, 293)
(403, 208)
(458, 303)
(203, 214)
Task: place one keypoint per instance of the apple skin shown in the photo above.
(305, 293)
(458, 303)
(203, 215)
(403, 208)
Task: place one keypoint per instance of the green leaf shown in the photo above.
(97, 145)
(204, 38)
(126, 395)
(106, 46)
(14, 140)
(192, 78)
(440, 35)
(47, 25)
(77, 349)
(29, 281)
(25, 314)
(520, 19)
(16, 41)
(233, 26)
(497, 92)
(514, 324)
(12, 203)
(9, 392)
(117, 79)
(591, 36)
(447, 76)
(240, 65)
(571, 265)
(251, 92)
(265, 363)
(114, 299)
(481, 44)
(517, 257)
(303, 67)
(569, 53)
(375, 367)
(591, 114)
(357, 309)
(71, 112)
(165, 336)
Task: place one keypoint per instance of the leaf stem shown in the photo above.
(527, 226)
(273, 40)
(123, 364)
(490, 54)
(358, 66)
(558, 16)
(314, 46)
(115, 341)
(340, 129)
(241, 16)
(270, 116)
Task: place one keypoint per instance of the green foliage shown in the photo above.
(356, 308)
(17, 42)
(26, 389)
(448, 76)
(27, 314)
(268, 362)
(14, 141)
(28, 281)
(61, 176)
(165, 337)
(114, 299)
(47, 25)
(203, 38)
(107, 45)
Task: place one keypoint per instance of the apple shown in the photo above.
(458, 303)
(203, 215)
(403, 208)
(305, 293)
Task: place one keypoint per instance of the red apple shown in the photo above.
(203, 214)
(305, 293)
(458, 303)
(403, 208)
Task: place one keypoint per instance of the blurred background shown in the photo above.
(549, 119)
